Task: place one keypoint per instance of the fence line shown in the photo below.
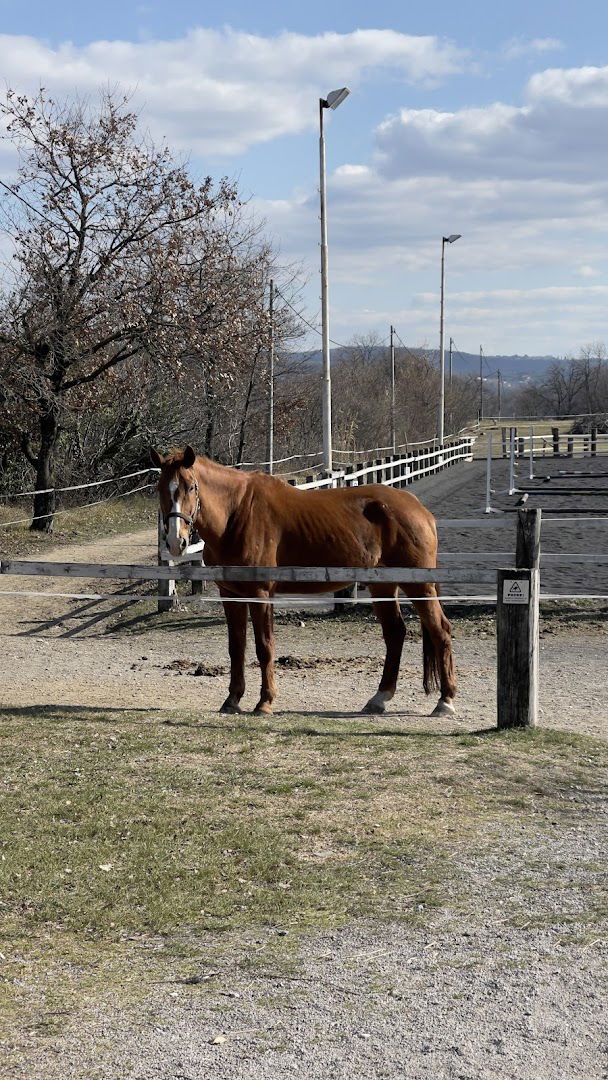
(238, 465)
(401, 470)
(79, 487)
(75, 509)
(297, 603)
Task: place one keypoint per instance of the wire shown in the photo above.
(75, 509)
(79, 487)
(309, 324)
(407, 349)
(296, 603)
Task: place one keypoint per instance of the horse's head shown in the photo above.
(179, 497)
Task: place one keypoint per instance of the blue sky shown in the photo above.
(485, 119)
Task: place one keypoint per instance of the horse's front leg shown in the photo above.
(236, 619)
(263, 628)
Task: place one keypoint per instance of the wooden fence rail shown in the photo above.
(517, 610)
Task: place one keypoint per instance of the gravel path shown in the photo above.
(469, 997)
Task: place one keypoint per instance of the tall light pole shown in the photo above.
(393, 414)
(440, 417)
(270, 434)
(333, 99)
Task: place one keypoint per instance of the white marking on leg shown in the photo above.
(444, 708)
(377, 703)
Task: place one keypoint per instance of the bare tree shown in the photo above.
(123, 269)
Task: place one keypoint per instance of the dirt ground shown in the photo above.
(464, 999)
(118, 654)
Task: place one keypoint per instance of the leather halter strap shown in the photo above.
(184, 517)
(189, 520)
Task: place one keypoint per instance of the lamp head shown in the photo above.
(335, 98)
(452, 237)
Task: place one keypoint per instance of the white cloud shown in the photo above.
(558, 132)
(579, 88)
(221, 92)
(517, 47)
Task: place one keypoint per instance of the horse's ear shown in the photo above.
(155, 457)
(189, 457)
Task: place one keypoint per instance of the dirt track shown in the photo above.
(118, 653)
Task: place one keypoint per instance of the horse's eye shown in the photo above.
(192, 487)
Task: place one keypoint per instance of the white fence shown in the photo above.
(396, 469)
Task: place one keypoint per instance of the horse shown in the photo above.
(254, 519)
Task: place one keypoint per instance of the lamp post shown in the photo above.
(333, 99)
(440, 418)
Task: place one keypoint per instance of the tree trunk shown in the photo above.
(44, 503)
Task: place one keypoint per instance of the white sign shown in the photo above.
(515, 591)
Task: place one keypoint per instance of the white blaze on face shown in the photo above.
(174, 523)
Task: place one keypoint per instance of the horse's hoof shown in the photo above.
(376, 708)
(229, 707)
(263, 709)
(443, 708)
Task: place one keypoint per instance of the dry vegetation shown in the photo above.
(130, 843)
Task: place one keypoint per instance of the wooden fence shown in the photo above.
(517, 610)
(525, 442)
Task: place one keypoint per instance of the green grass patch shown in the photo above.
(126, 841)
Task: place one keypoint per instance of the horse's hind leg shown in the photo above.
(436, 647)
(236, 619)
(389, 616)
(262, 619)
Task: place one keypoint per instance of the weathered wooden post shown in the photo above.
(593, 442)
(555, 436)
(517, 616)
(570, 446)
(167, 590)
(503, 433)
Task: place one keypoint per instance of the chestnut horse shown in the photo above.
(253, 519)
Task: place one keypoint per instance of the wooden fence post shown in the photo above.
(517, 616)
(503, 432)
(593, 442)
(167, 589)
(198, 587)
(555, 435)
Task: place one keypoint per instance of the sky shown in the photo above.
(479, 118)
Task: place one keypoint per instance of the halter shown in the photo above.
(189, 520)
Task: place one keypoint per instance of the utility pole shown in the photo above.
(499, 393)
(480, 382)
(393, 421)
(450, 362)
(270, 443)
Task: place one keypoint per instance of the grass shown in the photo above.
(109, 518)
(132, 846)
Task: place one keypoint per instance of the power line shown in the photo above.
(408, 350)
(304, 320)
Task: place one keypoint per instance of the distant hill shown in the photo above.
(514, 369)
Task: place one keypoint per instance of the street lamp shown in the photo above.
(440, 418)
(333, 99)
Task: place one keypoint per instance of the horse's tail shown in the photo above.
(431, 659)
